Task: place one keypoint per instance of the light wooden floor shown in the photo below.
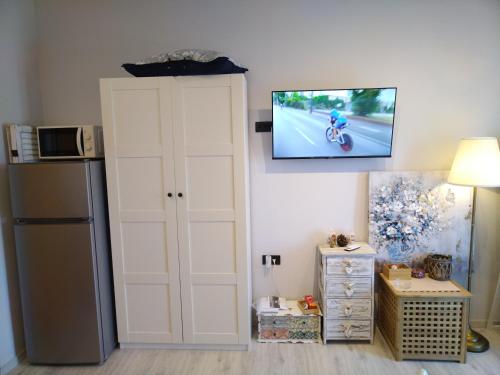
(289, 359)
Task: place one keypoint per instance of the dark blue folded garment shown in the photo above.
(220, 65)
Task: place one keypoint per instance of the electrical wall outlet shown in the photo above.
(275, 260)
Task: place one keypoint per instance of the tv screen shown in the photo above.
(348, 123)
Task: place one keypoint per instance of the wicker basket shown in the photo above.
(439, 266)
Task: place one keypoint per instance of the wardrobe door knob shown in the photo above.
(169, 195)
(179, 195)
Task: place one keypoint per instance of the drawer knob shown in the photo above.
(348, 270)
(348, 310)
(349, 288)
(348, 284)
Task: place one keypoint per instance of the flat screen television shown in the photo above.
(342, 123)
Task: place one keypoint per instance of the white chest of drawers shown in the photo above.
(346, 282)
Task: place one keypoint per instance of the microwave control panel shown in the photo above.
(92, 141)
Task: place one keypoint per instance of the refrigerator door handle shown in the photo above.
(79, 140)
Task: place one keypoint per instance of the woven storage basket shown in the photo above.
(439, 266)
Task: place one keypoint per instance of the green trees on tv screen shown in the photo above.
(359, 102)
(365, 102)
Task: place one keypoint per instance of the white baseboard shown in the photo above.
(184, 346)
(13, 363)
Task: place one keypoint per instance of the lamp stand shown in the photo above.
(476, 342)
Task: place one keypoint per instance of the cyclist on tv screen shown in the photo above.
(337, 121)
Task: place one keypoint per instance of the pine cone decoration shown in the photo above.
(342, 240)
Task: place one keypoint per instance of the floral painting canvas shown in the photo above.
(412, 214)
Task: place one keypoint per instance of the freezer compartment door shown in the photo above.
(50, 190)
(58, 279)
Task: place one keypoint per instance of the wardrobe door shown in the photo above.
(211, 174)
(137, 119)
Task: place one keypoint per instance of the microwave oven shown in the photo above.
(70, 142)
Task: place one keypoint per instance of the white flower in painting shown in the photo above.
(407, 230)
(391, 231)
(397, 207)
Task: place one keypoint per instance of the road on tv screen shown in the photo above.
(298, 133)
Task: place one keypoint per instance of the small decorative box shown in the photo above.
(290, 325)
(401, 271)
(309, 311)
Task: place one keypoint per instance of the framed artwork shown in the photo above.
(413, 214)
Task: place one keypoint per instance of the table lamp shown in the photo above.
(476, 164)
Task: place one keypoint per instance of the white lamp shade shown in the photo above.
(476, 163)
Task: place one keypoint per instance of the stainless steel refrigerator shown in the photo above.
(63, 256)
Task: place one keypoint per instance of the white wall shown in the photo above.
(19, 103)
(442, 55)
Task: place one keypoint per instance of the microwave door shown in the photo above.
(79, 142)
(61, 142)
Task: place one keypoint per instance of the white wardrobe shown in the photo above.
(177, 174)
